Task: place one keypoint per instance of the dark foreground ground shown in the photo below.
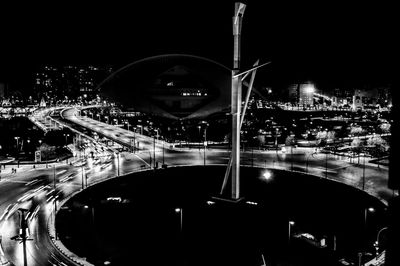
(168, 217)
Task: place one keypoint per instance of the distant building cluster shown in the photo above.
(180, 86)
(71, 81)
(8, 99)
(305, 95)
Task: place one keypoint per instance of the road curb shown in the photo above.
(57, 244)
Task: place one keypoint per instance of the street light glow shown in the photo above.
(267, 175)
(309, 88)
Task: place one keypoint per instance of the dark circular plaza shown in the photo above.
(170, 217)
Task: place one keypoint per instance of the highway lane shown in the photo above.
(113, 132)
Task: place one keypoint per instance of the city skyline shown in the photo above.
(333, 46)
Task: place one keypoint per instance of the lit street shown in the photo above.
(176, 133)
(21, 183)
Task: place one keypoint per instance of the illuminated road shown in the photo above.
(304, 160)
(30, 188)
(33, 189)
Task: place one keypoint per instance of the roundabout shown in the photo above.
(169, 216)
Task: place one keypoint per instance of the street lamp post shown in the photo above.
(83, 178)
(17, 139)
(154, 151)
(141, 129)
(326, 165)
(366, 211)
(376, 244)
(363, 182)
(291, 157)
(291, 223)
(23, 235)
(307, 158)
(180, 211)
(205, 143)
(276, 141)
(252, 156)
(66, 135)
(117, 164)
(199, 127)
(163, 162)
(55, 199)
(134, 140)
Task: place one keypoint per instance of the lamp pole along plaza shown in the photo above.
(154, 151)
(205, 144)
(23, 235)
(55, 198)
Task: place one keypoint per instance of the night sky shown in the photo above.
(333, 45)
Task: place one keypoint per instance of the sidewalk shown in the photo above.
(6, 170)
(5, 160)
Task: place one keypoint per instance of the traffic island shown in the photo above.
(169, 215)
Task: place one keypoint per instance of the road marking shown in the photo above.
(340, 167)
(15, 181)
(142, 160)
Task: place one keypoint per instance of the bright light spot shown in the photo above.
(251, 202)
(209, 202)
(177, 210)
(370, 209)
(291, 222)
(309, 88)
(86, 206)
(267, 175)
(119, 199)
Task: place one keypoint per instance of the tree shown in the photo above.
(260, 139)
(331, 135)
(326, 135)
(356, 130)
(48, 152)
(384, 127)
(356, 143)
(290, 140)
(321, 135)
(376, 141)
(377, 146)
